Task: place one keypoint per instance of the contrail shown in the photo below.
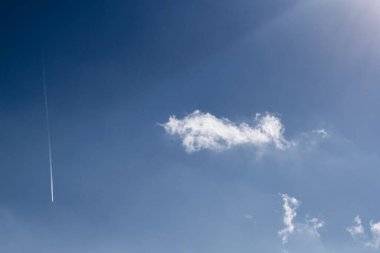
(48, 134)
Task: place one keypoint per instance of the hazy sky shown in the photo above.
(227, 126)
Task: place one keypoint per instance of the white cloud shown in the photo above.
(321, 132)
(357, 229)
(205, 131)
(310, 227)
(375, 231)
(290, 205)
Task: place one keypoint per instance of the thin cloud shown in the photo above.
(321, 132)
(290, 205)
(205, 131)
(357, 229)
(310, 227)
(375, 231)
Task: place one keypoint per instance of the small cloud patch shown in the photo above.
(205, 131)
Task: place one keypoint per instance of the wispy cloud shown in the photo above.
(375, 232)
(321, 132)
(310, 226)
(357, 229)
(290, 205)
(205, 131)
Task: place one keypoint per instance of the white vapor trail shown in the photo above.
(48, 135)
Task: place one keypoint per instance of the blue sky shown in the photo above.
(190, 126)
